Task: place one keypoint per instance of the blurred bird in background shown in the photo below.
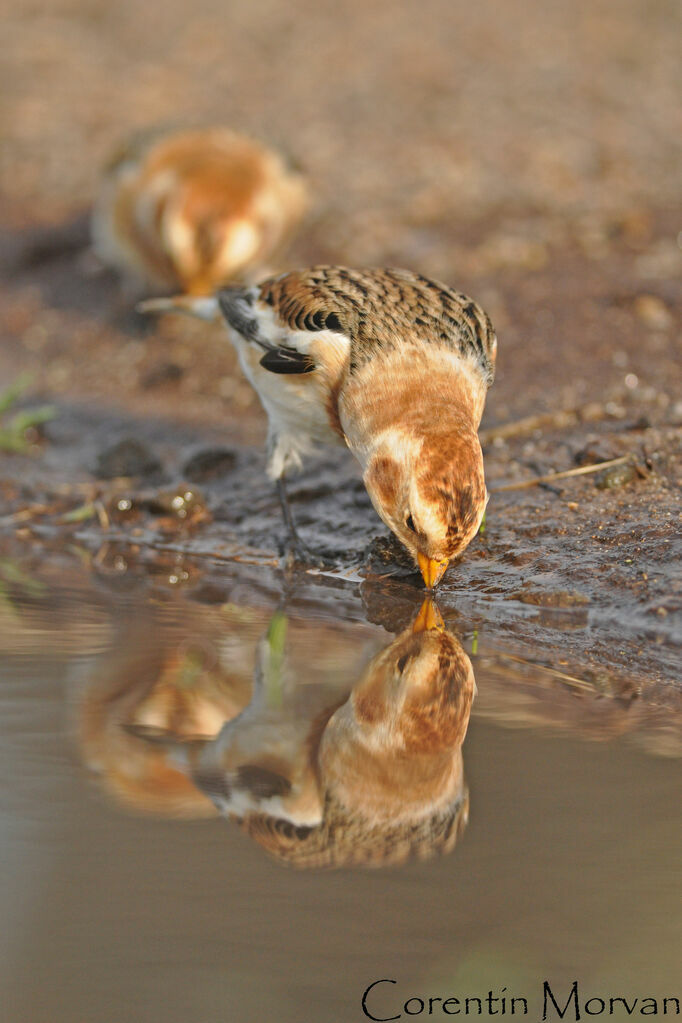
(193, 210)
(392, 364)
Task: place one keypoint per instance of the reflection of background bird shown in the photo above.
(146, 691)
(195, 209)
(393, 364)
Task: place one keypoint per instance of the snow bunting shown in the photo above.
(195, 209)
(390, 363)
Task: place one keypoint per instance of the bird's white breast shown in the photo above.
(298, 405)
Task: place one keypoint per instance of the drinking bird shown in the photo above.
(386, 361)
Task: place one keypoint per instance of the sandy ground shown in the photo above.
(530, 157)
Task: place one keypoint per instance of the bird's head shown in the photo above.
(431, 493)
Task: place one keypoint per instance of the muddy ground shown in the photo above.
(532, 161)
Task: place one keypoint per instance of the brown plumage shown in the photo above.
(346, 840)
(390, 363)
(195, 209)
(389, 761)
(381, 310)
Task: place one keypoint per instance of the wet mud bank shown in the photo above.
(567, 602)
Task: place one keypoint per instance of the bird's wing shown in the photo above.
(287, 361)
(296, 316)
(380, 309)
(287, 350)
(255, 323)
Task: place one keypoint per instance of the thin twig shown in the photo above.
(245, 558)
(102, 514)
(581, 470)
(26, 514)
(544, 420)
(581, 683)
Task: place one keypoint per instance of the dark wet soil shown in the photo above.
(581, 574)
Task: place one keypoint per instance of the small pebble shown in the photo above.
(160, 374)
(653, 312)
(181, 502)
(616, 476)
(128, 457)
(209, 464)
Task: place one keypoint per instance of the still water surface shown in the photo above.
(222, 802)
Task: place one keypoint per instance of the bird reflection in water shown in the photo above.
(318, 776)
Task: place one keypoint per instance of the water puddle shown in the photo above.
(176, 732)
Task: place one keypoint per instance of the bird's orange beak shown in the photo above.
(429, 617)
(432, 570)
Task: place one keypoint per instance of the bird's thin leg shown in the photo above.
(294, 538)
(296, 550)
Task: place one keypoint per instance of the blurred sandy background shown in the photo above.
(522, 152)
(424, 112)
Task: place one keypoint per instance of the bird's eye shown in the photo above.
(409, 522)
